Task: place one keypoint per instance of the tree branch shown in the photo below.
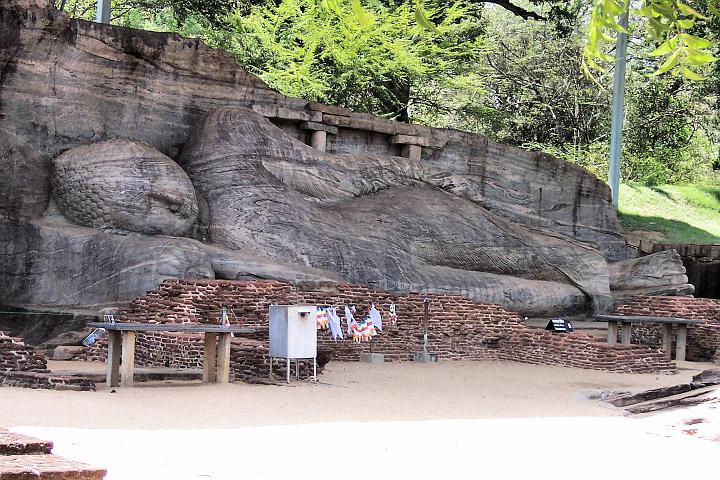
(519, 11)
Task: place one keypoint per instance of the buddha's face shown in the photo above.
(125, 185)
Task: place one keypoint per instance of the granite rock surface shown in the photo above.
(129, 157)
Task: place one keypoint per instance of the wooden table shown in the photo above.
(666, 322)
(121, 348)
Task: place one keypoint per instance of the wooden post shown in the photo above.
(612, 332)
(681, 342)
(667, 339)
(210, 358)
(128, 358)
(223, 358)
(626, 333)
(112, 378)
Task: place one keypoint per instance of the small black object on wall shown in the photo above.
(559, 325)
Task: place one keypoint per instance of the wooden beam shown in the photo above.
(128, 359)
(223, 358)
(112, 378)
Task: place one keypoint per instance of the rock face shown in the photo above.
(94, 211)
(388, 222)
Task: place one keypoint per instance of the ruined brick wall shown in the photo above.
(580, 351)
(703, 342)
(21, 366)
(458, 328)
(17, 357)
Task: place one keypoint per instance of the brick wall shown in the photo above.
(18, 357)
(21, 366)
(458, 328)
(703, 343)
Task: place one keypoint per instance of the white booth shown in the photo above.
(293, 336)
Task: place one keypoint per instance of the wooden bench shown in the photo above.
(121, 348)
(667, 323)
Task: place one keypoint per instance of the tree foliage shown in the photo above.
(671, 26)
(375, 59)
(473, 67)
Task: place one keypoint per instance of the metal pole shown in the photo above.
(618, 109)
(103, 11)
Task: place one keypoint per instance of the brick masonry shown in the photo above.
(459, 328)
(21, 366)
(703, 343)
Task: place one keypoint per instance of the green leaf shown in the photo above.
(697, 57)
(713, 8)
(695, 42)
(666, 48)
(647, 11)
(686, 23)
(688, 11)
(691, 75)
(422, 18)
(669, 64)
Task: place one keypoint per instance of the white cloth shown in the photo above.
(334, 322)
(349, 319)
(376, 317)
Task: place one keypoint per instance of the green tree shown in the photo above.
(373, 59)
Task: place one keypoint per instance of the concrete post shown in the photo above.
(127, 368)
(103, 11)
(626, 333)
(112, 379)
(681, 343)
(618, 110)
(612, 332)
(667, 339)
(210, 358)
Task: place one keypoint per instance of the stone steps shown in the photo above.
(24, 457)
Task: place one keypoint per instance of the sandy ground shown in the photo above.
(393, 420)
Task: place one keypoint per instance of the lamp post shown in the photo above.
(103, 11)
(618, 108)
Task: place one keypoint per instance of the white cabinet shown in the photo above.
(293, 331)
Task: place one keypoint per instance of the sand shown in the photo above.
(347, 391)
(405, 420)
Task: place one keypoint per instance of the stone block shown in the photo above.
(315, 126)
(371, 357)
(67, 352)
(410, 140)
(332, 110)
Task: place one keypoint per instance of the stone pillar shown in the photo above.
(411, 145)
(318, 140)
(413, 152)
(318, 137)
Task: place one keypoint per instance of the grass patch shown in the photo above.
(671, 213)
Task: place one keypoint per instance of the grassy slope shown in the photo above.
(676, 214)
